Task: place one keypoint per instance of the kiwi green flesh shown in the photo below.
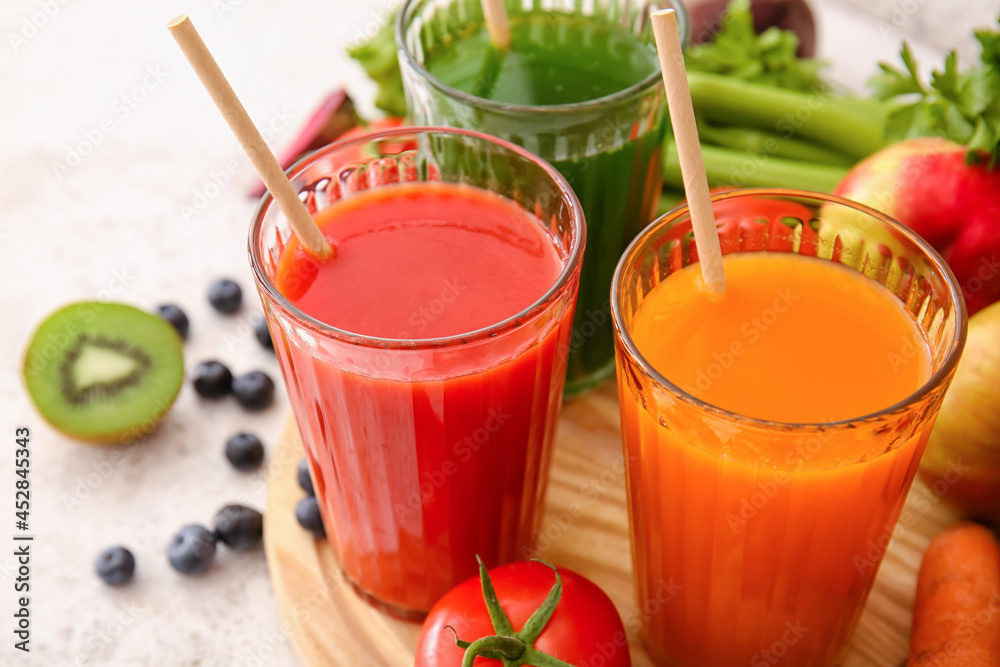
(104, 372)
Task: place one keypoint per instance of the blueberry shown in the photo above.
(263, 333)
(305, 481)
(192, 549)
(115, 565)
(245, 451)
(254, 391)
(225, 296)
(239, 528)
(212, 379)
(176, 317)
(307, 514)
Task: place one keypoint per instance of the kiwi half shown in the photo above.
(104, 372)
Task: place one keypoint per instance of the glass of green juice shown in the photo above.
(580, 87)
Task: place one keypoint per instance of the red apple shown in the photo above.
(927, 185)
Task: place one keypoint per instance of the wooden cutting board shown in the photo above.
(330, 626)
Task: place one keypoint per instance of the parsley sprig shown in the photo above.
(963, 107)
(769, 58)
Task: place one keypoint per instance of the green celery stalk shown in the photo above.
(752, 170)
(669, 199)
(771, 143)
(818, 116)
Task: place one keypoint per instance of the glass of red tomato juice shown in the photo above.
(771, 436)
(425, 362)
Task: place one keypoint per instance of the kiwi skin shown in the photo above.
(138, 407)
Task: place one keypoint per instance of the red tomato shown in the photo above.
(758, 209)
(385, 147)
(313, 140)
(585, 629)
(761, 223)
(372, 126)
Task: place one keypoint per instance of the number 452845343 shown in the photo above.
(22, 497)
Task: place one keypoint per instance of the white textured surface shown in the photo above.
(946, 24)
(113, 226)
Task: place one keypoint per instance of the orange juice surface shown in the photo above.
(757, 544)
(796, 339)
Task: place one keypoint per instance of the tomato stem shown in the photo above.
(540, 618)
(539, 659)
(513, 648)
(510, 648)
(501, 624)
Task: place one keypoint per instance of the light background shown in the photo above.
(112, 226)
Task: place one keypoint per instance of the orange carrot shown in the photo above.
(956, 618)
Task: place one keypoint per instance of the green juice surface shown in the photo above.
(552, 60)
(555, 60)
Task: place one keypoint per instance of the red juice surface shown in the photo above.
(424, 458)
(422, 261)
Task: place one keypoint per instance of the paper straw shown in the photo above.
(668, 44)
(253, 144)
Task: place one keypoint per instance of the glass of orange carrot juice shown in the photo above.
(771, 435)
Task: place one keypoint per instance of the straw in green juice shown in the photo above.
(562, 60)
